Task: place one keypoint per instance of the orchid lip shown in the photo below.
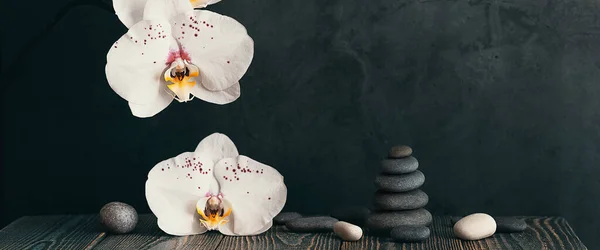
(213, 211)
(180, 79)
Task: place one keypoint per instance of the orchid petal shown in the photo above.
(226, 96)
(216, 147)
(153, 108)
(136, 61)
(129, 11)
(218, 45)
(256, 192)
(166, 9)
(173, 188)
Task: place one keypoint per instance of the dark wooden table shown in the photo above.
(84, 232)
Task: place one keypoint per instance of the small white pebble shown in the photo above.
(475, 227)
(347, 231)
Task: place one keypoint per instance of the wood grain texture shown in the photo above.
(547, 233)
(85, 232)
(280, 238)
(52, 232)
(147, 235)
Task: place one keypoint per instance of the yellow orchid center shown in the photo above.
(179, 78)
(214, 212)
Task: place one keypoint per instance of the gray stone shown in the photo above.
(118, 217)
(400, 183)
(353, 214)
(284, 217)
(410, 234)
(510, 225)
(388, 220)
(400, 201)
(314, 224)
(400, 151)
(399, 166)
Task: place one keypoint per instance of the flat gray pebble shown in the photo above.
(399, 166)
(284, 217)
(118, 217)
(400, 183)
(356, 215)
(410, 234)
(510, 225)
(388, 220)
(400, 151)
(400, 201)
(313, 224)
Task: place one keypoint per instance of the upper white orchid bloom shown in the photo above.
(131, 11)
(177, 52)
(214, 188)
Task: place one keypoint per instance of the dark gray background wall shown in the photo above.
(499, 99)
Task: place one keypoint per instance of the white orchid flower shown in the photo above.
(179, 53)
(131, 11)
(214, 188)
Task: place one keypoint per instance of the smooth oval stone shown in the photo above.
(475, 227)
(410, 234)
(399, 166)
(352, 214)
(347, 231)
(400, 151)
(313, 224)
(400, 201)
(118, 217)
(284, 217)
(388, 220)
(509, 225)
(400, 183)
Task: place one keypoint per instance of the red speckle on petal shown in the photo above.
(115, 46)
(163, 169)
(212, 26)
(269, 198)
(148, 34)
(183, 24)
(248, 192)
(227, 61)
(196, 35)
(226, 168)
(182, 32)
(207, 25)
(154, 61)
(212, 38)
(198, 187)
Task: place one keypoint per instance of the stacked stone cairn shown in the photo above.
(399, 203)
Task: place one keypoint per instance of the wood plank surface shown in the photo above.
(280, 238)
(85, 232)
(52, 232)
(544, 233)
(147, 235)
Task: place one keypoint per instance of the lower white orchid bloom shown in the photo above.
(178, 53)
(215, 188)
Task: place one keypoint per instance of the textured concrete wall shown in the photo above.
(499, 100)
